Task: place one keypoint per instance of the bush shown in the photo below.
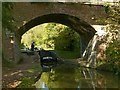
(113, 56)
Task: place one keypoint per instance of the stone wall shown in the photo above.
(96, 49)
(25, 11)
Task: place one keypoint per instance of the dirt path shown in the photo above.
(29, 68)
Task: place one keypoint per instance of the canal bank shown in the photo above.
(23, 74)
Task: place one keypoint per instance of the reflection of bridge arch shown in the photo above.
(85, 30)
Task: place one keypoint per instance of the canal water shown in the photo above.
(68, 75)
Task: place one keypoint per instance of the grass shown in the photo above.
(68, 54)
(27, 82)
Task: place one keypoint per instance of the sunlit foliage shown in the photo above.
(52, 36)
(113, 56)
(113, 20)
(113, 29)
(36, 34)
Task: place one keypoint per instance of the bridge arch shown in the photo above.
(85, 30)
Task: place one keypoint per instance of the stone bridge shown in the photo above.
(78, 16)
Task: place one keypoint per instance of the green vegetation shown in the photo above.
(7, 18)
(68, 54)
(8, 25)
(27, 82)
(113, 56)
(112, 62)
(113, 51)
(68, 40)
(54, 36)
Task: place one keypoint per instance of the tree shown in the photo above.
(67, 40)
(7, 18)
(52, 36)
(113, 28)
(113, 20)
(7, 23)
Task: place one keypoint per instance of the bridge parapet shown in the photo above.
(25, 11)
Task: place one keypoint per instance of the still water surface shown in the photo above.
(66, 75)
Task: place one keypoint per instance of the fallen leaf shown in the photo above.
(14, 84)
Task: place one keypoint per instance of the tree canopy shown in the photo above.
(52, 36)
(113, 29)
(7, 18)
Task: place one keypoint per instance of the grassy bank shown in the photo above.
(22, 74)
(68, 54)
(29, 80)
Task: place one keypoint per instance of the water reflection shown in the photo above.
(72, 76)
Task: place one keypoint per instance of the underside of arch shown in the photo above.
(85, 30)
